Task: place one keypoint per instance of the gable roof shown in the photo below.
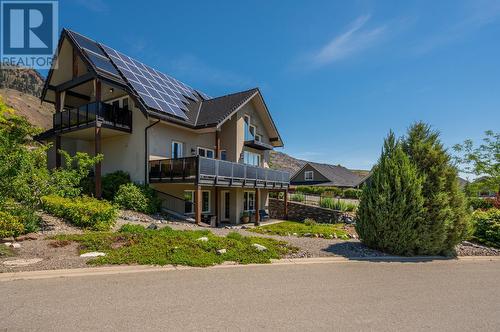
(338, 176)
(175, 101)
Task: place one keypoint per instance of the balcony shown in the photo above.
(207, 171)
(87, 115)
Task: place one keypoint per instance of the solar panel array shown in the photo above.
(158, 91)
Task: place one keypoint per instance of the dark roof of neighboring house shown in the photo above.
(194, 109)
(338, 176)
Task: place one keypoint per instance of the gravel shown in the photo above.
(467, 248)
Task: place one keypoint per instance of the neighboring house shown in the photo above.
(206, 156)
(315, 174)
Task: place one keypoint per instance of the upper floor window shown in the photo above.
(308, 175)
(204, 152)
(251, 158)
(249, 129)
(177, 150)
(125, 104)
(223, 155)
(258, 137)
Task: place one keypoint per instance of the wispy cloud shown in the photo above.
(98, 6)
(192, 68)
(475, 16)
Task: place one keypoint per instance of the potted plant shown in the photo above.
(245, 217)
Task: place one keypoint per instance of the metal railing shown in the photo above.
(203, 169)
(88, 113)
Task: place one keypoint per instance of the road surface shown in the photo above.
(381, 296)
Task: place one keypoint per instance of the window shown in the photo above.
(308, 175)
(258, 137)
(249, 201)
(189, 201)
(251, 158)
(176, 149)
(204, 152)
(249, 129)
(205, 201)
(125, 104)
(223, 155)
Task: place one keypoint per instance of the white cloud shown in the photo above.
(354, 40)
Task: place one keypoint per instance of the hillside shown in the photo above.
(284, 162)
(20, 89)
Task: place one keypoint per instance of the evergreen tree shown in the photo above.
(445, 214)
(391, 207)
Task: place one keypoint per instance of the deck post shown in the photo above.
(57, 146)
(97, 140)
(217, 206)
(257, 206)
(197, 205)
(285, 207)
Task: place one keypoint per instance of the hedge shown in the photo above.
(85, 212)
(10, 225)
(487, 227)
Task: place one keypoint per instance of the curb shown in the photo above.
(111, 270)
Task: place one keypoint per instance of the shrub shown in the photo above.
(477, 203)
(486, 225)
(10, 225)
(352, 193)
(391, 207)
(25, 214)
(446, 220)
(111, 182)
(336, 204)
(297, 197)
(309, 222)
(316, 190)
(138, 198)
(85, 212)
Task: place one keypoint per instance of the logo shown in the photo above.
(28, 33)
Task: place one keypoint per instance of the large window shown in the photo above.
(204, 152)
(177, 149)
(308, 175)
(249, 201)
(251, 158)
(189, 201)
(249, 129)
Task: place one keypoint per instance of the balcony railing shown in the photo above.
(216, 172)
(97, 111)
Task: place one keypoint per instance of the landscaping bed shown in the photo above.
(306, 229)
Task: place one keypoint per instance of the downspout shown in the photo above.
(146, 156)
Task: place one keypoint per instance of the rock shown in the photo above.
(307, 235)
(259, 247)
(93, 254)
(245, 227)
(152, 226)
(295, 234)
(7, 244)
(335, 236)
(221, 251)
(330, 236)
(316, 235)
(202, 239)
(321, 235)
(8, 239)
(22, 262)
(15, 245)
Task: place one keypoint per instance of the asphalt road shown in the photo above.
(439, 296)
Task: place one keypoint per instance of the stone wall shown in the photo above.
(299, 212)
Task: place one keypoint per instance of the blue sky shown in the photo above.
(336, 75)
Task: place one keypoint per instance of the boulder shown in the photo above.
(15, 245)
(93, 254)
(202, 239)
(259, 247)
(221, 251)
(152, 226)
(307, 234)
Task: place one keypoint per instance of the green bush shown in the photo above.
(25, 214)
(85, 212)
(111, 182)
(486, 225)
(390, 211)
(477, 203)
(309, 222)
(10, 225)
(297, 197)
(138, 198)
(317, 190)
(352, 193)
(336, 204)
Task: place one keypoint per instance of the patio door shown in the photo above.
(226, 205)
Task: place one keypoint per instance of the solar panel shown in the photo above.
(158, 91)
(101, 62)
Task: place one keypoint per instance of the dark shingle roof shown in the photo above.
(338, 176)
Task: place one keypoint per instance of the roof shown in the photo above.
(158, 94)
(338, 176)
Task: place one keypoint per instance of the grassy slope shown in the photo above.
(290, 227)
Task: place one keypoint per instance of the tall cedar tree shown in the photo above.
(391, 207)
(445, 214)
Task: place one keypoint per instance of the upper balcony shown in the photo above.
(207, 171)
(87, 115)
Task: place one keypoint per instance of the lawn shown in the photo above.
(303, 229)
(134, 244)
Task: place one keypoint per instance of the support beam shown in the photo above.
(57, 146)
(97, 140)
(285, 208)
(197, 205)
(257, 206)
(217, 144)
(217, 207)
(75, 63)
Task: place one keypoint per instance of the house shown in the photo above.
(206, 157)
(316, 174)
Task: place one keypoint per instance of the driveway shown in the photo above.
(355, 295)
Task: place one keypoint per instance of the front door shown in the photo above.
(226, 205)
